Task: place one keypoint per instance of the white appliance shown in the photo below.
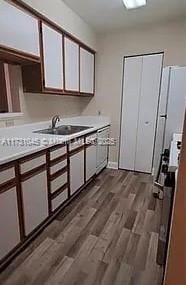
(171, 109)
(176, 102)
(169, 189)
(141, 91)
(102, 148)
(175, 149)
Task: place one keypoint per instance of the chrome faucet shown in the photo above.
(55, 119)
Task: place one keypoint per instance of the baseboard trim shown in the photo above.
(112, 165)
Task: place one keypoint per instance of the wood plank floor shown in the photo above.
(108, 235)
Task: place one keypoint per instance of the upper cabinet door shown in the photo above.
(71, 65)
(86, 71)
(53, 58)
(18, 29)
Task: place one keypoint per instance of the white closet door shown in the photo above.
(129, 117)
(150, 90)
(86, 71)
(53, 58)
(71, 65)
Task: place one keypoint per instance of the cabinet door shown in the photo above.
(76, 171)
(102, 147)
(53, 58)
(71, 65)
(18, 29)
(9, 222)
(35, 201)
(90, 161)
(86, 71)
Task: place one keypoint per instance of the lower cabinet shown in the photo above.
(41, 183)
(91, 155)
(102, 149)
(76, 171)
(35, 201)
(90, 162)
(9, 222)
(58, 177)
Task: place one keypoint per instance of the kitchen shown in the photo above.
(79, 141)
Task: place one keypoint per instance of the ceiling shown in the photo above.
(109, 15)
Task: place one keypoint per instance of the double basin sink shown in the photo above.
(63, 130)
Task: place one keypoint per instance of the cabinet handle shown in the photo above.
(163, 116)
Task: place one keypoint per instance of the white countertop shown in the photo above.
(11, 137)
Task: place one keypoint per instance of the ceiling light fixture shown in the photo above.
(131, 4)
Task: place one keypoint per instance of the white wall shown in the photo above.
(40, 107)
(112, 47)
(61, 14)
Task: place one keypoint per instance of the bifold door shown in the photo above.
(141, 89)
(130, 106)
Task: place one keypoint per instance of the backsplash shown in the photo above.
(41, 107)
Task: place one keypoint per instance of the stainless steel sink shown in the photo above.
(63, 130)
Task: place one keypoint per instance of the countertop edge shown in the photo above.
(36, 149)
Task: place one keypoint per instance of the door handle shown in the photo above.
(147, 122)
(163, 116)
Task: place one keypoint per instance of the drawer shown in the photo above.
(77, 143)
(7, 174)
(58, 166)
(58, 152)
(32, 163)
(58, 182)
(61, 198)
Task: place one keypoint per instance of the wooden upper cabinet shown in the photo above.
(71, 65)
(3, 83)
(86, 71)
(52, 61)
(18, 29)
(52, 57)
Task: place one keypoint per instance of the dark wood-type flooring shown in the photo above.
(108, 235)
